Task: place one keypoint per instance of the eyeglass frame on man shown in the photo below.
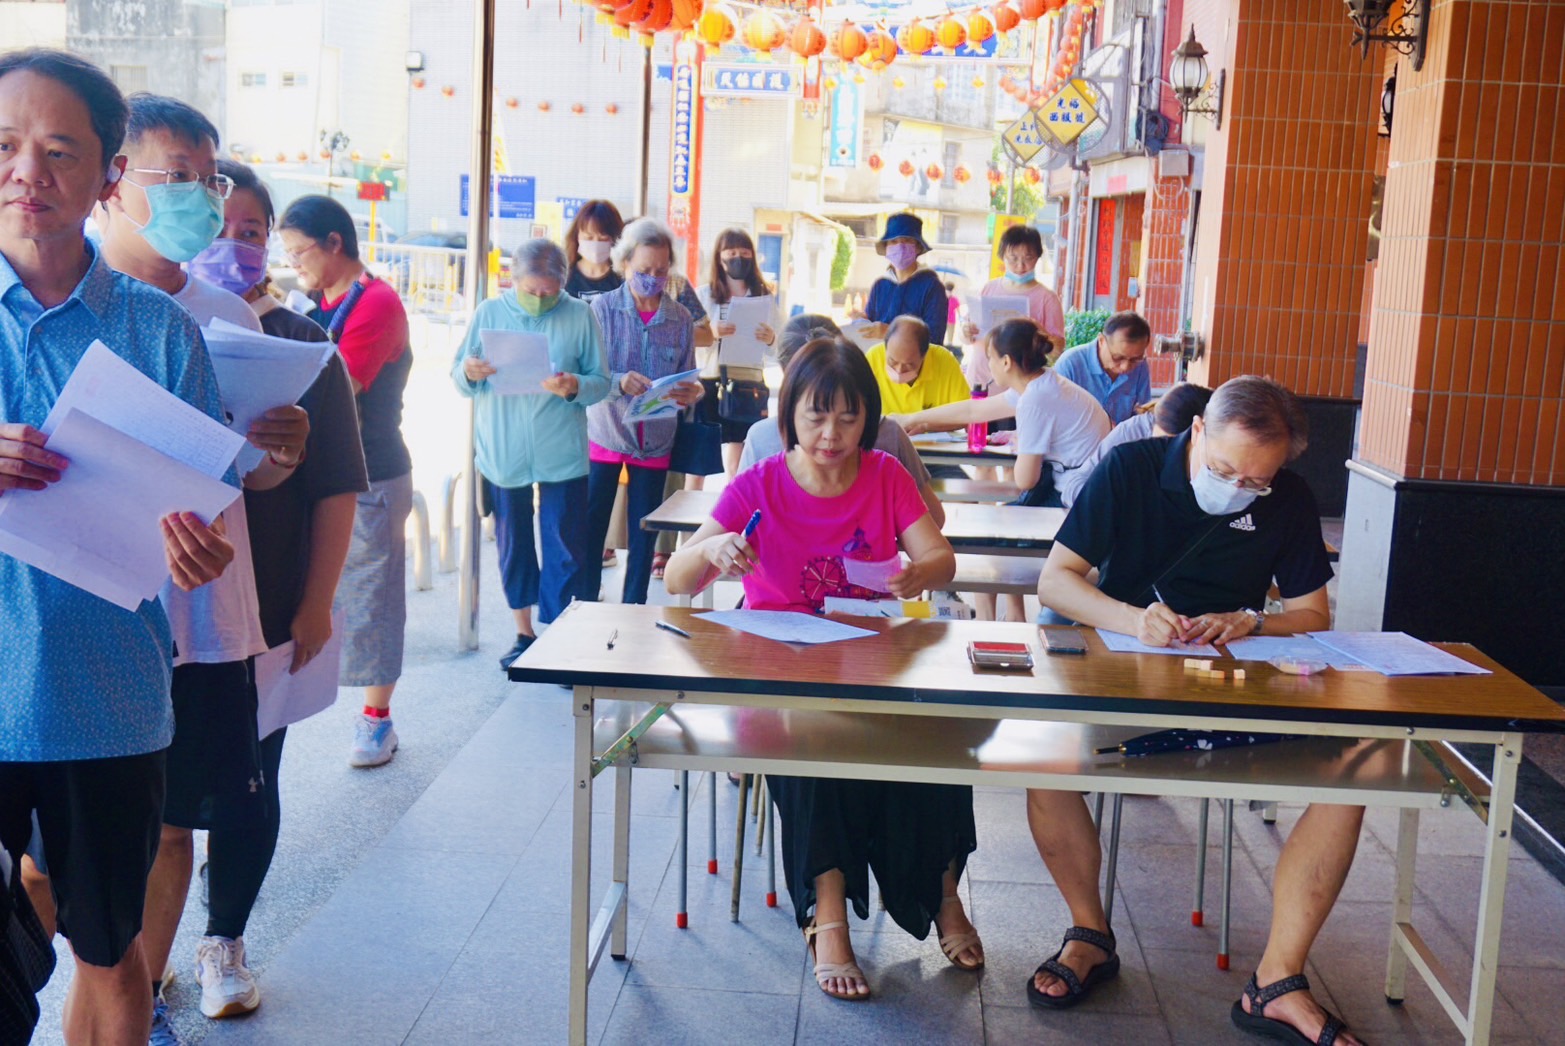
(219, 185)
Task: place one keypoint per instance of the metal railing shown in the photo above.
(429, 279)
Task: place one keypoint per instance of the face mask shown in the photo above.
(234, 265)
(902, 255)
(739, 268)
(1025, 277)
(646, 285)
(594, 251)
(537, 304)
(185, 219)
(1217, 496)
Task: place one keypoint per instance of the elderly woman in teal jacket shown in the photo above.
(535, 436)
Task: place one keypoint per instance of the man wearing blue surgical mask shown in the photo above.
(1188, 534)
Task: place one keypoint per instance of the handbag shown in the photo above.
(698, 446)
(740, 401)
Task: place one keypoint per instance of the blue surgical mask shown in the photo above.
(186, 217)
(1026, 277)
(646, 285)
(234, 265)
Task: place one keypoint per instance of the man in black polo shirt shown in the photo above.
(1188, 534)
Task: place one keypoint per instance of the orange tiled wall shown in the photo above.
(1466, 371)
(1163, 248)
(1284, 214)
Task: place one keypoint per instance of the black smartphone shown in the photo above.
(1058, 639)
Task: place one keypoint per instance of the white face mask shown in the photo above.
(1218, 496)
(595, 251)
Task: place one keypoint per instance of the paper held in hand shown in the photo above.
(742, 348)
(137, 453)
(989, 311)
(520, 359)
(257, 372)
(283, 699)
(658, 401)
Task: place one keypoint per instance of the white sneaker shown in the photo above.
(228, 988)
(374, 741)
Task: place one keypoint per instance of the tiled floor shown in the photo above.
(427, 902)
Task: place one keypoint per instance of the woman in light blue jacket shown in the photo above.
(526, 436)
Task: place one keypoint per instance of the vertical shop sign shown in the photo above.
(684, 182)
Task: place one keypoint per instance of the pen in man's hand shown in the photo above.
(665, 626)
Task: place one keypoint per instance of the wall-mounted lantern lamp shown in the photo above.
(1192, 83)
(1373, 22)
(1388, 101)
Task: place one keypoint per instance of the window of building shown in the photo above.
(953, 157)
(295, 79)
(948, 228)
(252, 79)
(129, 78)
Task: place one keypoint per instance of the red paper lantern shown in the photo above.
(951, 34)
(1051, 6)
(685, 15)
(544, 107)
(512, 102)
(1033, 176)
(578, 108)
(611, 109)
(418, 83)
(962, 175)
(934, 172)
(302, 157)
(850, 42)
(995, 177)
(658, 19)
(1006, 18)
(916, 38)
(1032, 10)
(716, 26)
(763, 32)
(875, 162)
(807, 40)
(979, 28)
(630, 14)
(906, 168)
(448, 90)
(879, 52)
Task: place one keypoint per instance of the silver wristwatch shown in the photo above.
(1260, 620)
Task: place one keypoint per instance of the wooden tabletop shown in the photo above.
(926, 661)
(993, 454)
(1003, 529)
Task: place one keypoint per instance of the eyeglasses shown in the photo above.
(1253, 486)
(219, 185)
(294, 256)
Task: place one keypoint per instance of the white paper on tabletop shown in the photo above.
(1397, 654)
(786, 626)
(119, 395)
(1268, 648)
(742, 348)
(989, 311)
(658, 401)
(285, 698)
(520, 360)
(874, 576)
(1120, 643)
(98, 527)
(257, 372)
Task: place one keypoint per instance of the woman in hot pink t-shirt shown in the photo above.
(830, 499)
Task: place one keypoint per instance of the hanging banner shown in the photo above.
(682, 154)
(847, 123)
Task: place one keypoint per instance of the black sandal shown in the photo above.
(1257, 1023)
(1076, 988)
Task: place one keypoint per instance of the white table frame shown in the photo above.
(594, 928)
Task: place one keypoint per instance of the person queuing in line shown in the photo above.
(1020, 249)
(735, 274)
(1114, 367)
(589, 246)
(168, 209)
(85, 716)
(26, 956)
(833, 496)
(908, 289)
(299, 536)
(365, 317)
(531, 446)
(765, 438)
(1188, 534)
(1169, 415)
(647, 335)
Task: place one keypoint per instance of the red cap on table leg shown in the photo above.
(682, 920)
(1196, 918)
(711, 868)
(1222, 962)
(771, 900)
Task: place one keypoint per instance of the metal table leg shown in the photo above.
(1198, 912)
(1228, 881)
(1491, 891)
(682, 917)
(771, 853)
(711, 853)
(744, 796)
(622, 780)
(1108, 889)
(581, 867)
(1402, 905)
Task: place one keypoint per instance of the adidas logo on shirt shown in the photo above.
(1244, 522)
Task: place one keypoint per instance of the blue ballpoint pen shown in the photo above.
(755, 521)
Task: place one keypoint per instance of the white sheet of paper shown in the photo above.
(285, 699)
(786, 626)
(256, 372)
(1120, 643)
(520, 359)
(658, 401)
(742, 348)
(988, 312)
(97, 528)
(854, 332)
(119, 395)
(873, 576)
(1397, 654)
(1265, 648)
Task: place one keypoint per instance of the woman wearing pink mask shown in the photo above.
(907, 290)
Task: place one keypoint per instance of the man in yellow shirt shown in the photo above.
(914, 375)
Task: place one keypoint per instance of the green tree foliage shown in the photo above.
(842, 261)
(1085, 326)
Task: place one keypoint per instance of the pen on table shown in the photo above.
(749, 528)
(612, 637)
(665, 626)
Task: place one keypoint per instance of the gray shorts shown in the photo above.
(372, 594)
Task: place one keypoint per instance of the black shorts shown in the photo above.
(26, 960)
(733, 431)
(99, 820)
(216, 754)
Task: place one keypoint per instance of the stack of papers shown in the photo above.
(138, 453)
(1120, 643)
(742, 348)
(1300, 648)
(1397, 654)
(786, 626)
(257, 372)
(283, 698)
(658, 401)
(856, 333)
(988, 312)
(520, 360)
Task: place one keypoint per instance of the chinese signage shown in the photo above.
(515, 196)
(847, 124)
(1066, 114)
(571, 205)
(735, 80)
(683, 182)
(1024, 139)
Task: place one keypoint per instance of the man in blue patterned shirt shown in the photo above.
(84, 685)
